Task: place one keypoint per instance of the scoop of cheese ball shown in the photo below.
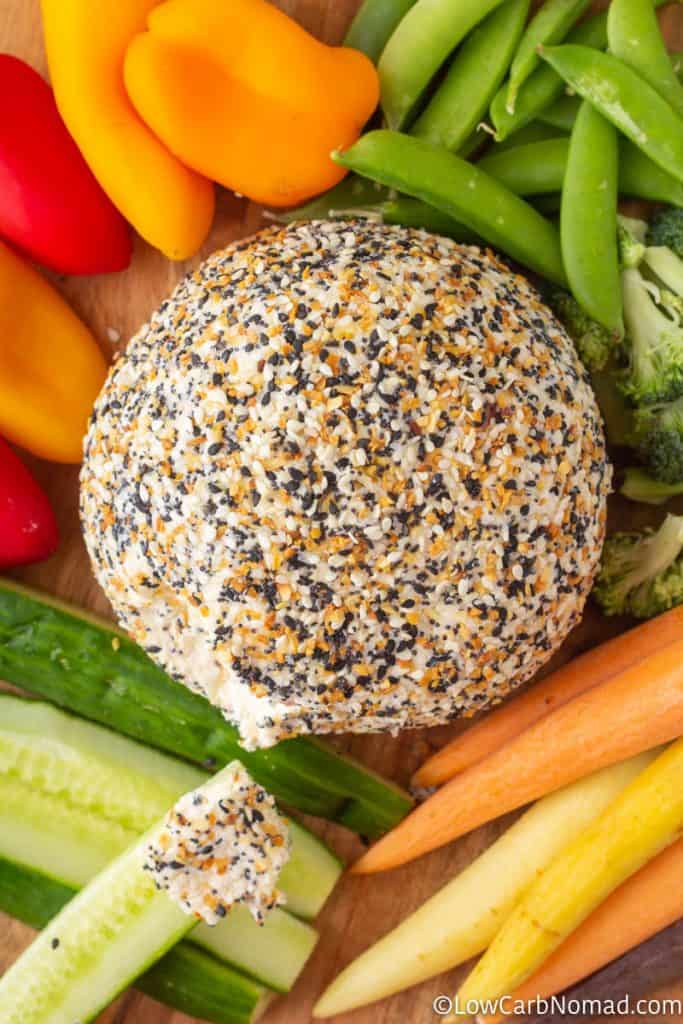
(349, 477)
(224, 844)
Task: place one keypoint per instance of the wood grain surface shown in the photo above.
(361, 909)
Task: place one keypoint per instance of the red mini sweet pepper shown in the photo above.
(51, 205)
(28, 530)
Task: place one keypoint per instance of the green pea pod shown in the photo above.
(625, 99)
(413, 213)
(374, 24)
(543, 86)
(403, 211)
(538, 168)
(634, 36)
(535, 131)
(337, 202)
(532, 170)
(421, 43)
(473, 77)
(550, 24)
(588, 219)
(562, 114)
(642, 178)
(459, 189)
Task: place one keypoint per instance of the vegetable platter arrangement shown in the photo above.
(169, 851)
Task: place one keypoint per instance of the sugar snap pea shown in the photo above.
(538, 168)
(473, 77)
(413, 213)
(535, 131)
(588, 219)
(459, 189)
(374, 23)
(543, 86)
(535, 169)
(634, 36)
(625, 99)
(550, 24)
(361, 198)
(349, 194)
(642, 178)
(562, 114)
(423, 40)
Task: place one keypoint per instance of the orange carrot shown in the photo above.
(633, 711)
(645, 904)
(573, 679)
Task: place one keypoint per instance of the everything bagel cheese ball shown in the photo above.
(349, 477)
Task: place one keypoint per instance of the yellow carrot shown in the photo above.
(462, 919)
(579, 675)
(645, 904)
(639, 708)
(643, 820)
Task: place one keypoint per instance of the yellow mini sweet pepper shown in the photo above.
(169, 205)
(245, 96)
(51, 367)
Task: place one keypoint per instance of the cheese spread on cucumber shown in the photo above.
(223, 844)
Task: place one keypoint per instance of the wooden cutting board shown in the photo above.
(361, 909)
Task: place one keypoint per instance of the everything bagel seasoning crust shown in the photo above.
(224, 843)
(350, 477)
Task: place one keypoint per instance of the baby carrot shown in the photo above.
(643, 820)
(635, 710)
(574, 678)
(645, 904)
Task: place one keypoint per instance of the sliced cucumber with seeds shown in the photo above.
(85, 664)
(186, 978)
(274, 954)
(98, 790)
(103, 940)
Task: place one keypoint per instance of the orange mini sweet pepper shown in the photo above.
(51, 367)
(169, 205)
(244, 95)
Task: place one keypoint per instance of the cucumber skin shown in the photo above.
(274, 955)
(186, 979)
(110, 773)
(93, 669)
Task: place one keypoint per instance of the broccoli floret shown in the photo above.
(654, 335)
(638, 486)
(632, 235)
(659, 429)
(642, 573)
(652, 285)
(594, 343)
(666, 229)
(664, 269)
